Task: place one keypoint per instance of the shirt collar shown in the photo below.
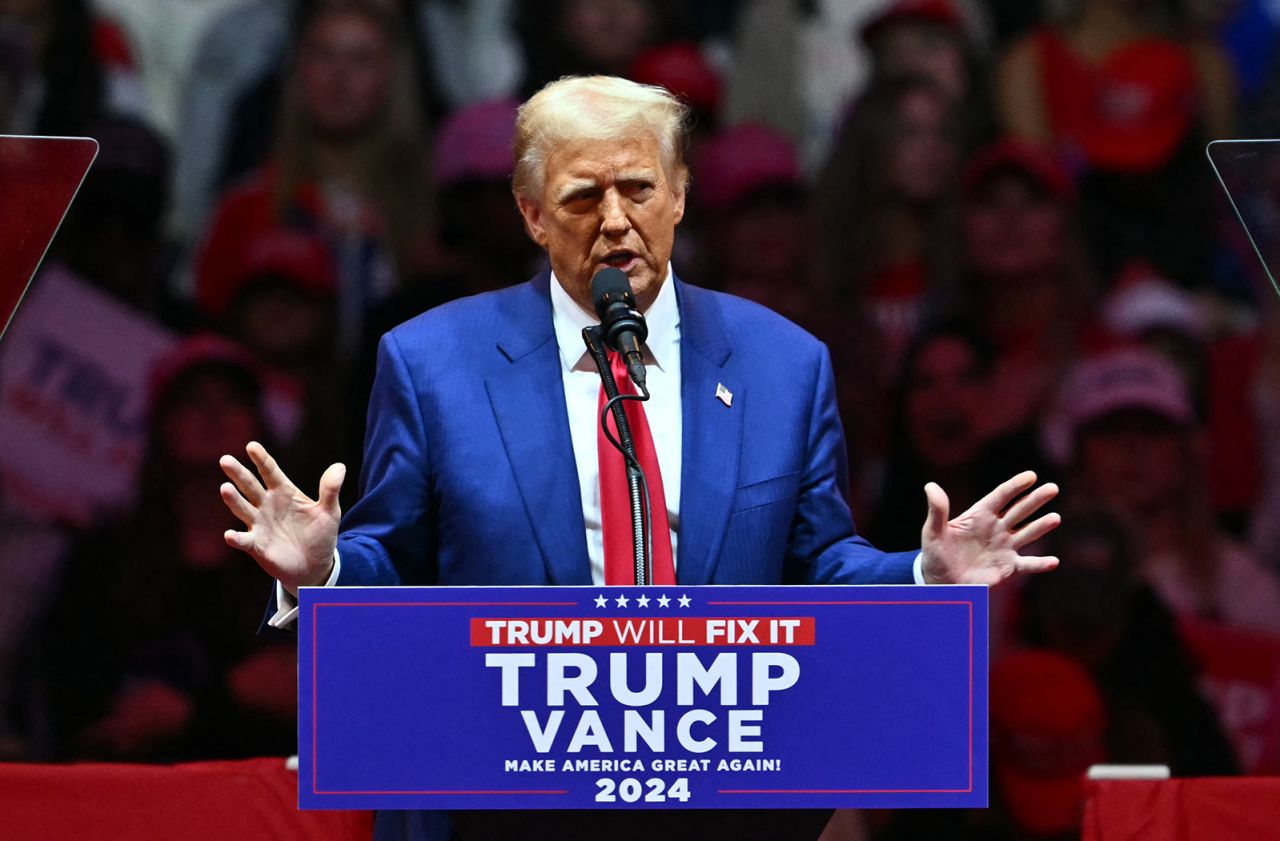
(662, 318)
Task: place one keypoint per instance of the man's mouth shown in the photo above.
(621, 259)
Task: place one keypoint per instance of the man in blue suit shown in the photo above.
(481, 457)
(481, 464)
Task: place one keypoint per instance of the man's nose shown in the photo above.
(614, 221)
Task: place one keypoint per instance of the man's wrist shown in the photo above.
(321, 580)
(287, 600)
(922, 573)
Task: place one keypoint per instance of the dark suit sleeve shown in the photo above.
(824, 547)
(388, 536)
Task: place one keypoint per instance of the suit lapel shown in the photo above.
(712, 435)
(528, 401)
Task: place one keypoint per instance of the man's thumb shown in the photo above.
(935, 522)
(330, 485)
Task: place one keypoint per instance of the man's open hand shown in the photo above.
(981, 545)
(290, 535)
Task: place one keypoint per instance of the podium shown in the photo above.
(718, 711)
(39, 176)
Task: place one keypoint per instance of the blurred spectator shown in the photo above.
(586, 37)
(149, 650)
(253, 126)
(226, 123)
(283, 309)
(1122, 93)
(476, 54)
(164, 35)
(1143, 306)
(1096, 610)
(76, 68)
(797, 66)
(1047, 726)
(1048, 721)
(929, 38)
(748, 197)
(486, 241)
(885, 211)
(348, 166)
(884, 242)
(237, 49)
(1222, 371)
(939, 435)
(681, 68)
(1125, 426)
(281, 303)
(31, 556)
(113, 233)
(1026, 281)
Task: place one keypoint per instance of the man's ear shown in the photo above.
(680, 188)
(531, 210)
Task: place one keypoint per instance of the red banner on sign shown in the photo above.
(494, 632)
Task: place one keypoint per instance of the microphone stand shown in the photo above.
(636, 484)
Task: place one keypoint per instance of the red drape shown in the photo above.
(207, 801)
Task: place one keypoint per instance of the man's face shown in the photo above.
(606, 203)
(1137, 462)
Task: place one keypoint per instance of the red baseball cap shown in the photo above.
(941, 12)
(739, 160)
(196, 351)
(1047, 723)
(475, 143)
(1012, 154)
(1120, 379)
(681, 68)
(297, 256)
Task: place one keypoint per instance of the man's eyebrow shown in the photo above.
(566, 191)
(641, 174)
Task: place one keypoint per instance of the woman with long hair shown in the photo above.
(884, 230)
(349, 164)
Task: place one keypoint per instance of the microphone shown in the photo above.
(621, 323)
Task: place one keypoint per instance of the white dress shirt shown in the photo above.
(581, 397)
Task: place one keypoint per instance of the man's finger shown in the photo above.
(1036, 563)
(1006, 492)
(1035, 530)
(244, 512)
(272, 476)
(238, 540)
(935, 523)
(330, 485)
(1027, 505)
(246, 482)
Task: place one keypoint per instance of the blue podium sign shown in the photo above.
(653, 697)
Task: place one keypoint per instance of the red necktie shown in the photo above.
(615, 499)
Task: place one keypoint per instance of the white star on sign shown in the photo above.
(684, 601)
(643, 601)
(621, 601)
(601, 601)
(663, 601)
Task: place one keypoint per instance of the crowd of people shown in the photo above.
(996, 213)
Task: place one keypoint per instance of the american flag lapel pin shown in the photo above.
(724, 395)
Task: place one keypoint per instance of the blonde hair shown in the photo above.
(595, 108)
(390, 148)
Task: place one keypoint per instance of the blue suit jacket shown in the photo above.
(469, 473)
